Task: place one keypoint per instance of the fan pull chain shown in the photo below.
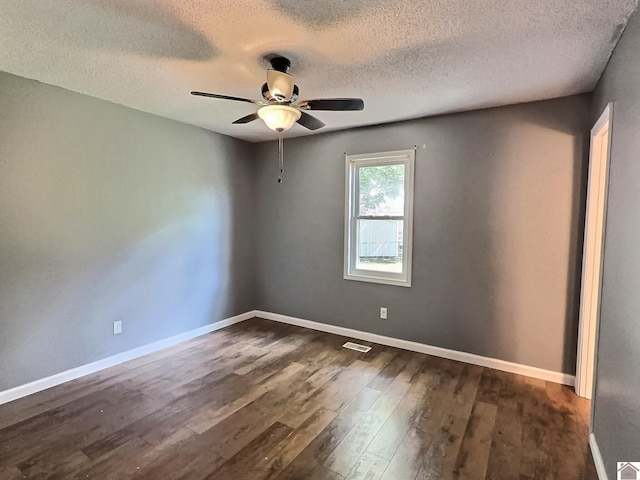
(280, 156)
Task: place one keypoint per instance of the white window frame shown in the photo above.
(352, 194)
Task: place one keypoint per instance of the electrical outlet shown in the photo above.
(383, 313)
(117, 327)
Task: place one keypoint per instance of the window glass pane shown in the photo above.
(381, 190)
(380, 245)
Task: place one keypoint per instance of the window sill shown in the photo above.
(381, 280)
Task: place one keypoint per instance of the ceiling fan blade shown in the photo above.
(249, 118)
(334, 104)
(309, 121)
(225, 97)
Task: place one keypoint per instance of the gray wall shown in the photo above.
(617, 401)
(107, 213)
(497, 236)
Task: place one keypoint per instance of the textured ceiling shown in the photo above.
(406, 59)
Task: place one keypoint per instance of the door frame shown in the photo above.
(593, 253)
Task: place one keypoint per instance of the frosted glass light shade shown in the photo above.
(280, 85)
(279, 117)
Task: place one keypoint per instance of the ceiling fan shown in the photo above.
(279, 109)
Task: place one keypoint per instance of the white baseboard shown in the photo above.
(68, 375)
(597, 457)
(495, 363)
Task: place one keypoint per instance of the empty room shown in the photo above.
(330, 240)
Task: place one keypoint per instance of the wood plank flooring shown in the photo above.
(262, 400)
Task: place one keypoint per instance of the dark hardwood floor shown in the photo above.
(262, 400)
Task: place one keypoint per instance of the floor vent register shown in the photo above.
(357, 347)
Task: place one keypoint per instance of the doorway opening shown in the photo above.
(592, 256)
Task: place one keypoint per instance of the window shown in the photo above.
(379, 217)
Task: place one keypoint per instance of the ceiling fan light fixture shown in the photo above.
(279, 117)
(280, 85)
